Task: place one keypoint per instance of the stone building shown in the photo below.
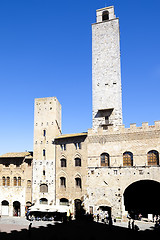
(71, 170)
(110, 168)
(15, 183)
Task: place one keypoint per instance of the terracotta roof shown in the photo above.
(15, 155)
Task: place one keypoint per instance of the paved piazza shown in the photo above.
(8, 224)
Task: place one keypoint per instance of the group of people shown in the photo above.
(103, 216)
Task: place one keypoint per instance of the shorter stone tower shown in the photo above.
(106, 70)
(47, 126)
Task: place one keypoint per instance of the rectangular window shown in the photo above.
(44, 152)
(63, 182)
(63, 147)
(78, 145)
(44, 133)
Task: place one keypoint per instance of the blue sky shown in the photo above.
(45, 50)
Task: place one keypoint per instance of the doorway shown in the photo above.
(16, 209)
(5, 208)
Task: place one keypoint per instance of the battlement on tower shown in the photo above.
(121, 129)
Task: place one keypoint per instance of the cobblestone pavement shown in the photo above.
(8, 224)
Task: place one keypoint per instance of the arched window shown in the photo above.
(14, 181)
(153, 158)
(43, 201)
(3, 181)
(78, 182)
(63, 162)
(105, 16)
(63, 182)
(105, 160)
(8, 181)
(128, 159)
(43, 188)
(19, 181)
(77, 162)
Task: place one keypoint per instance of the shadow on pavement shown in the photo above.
(77, 230)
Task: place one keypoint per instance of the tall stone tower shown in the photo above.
(106, 70)
(47, 126)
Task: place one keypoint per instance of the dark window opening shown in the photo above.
(105, 16)
(77, 162)
(63, 182)
(63, 162)
(78, 182)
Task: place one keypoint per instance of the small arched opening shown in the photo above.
(105, 16)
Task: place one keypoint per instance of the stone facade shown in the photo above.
(15, 183)
(71, 167)
(107, 184)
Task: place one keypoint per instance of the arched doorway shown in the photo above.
(142, 197)
(5, 208)
(105, 209)
(16, 209)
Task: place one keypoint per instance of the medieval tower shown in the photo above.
(47, 125)
(106, 70)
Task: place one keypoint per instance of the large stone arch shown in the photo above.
(142, 197)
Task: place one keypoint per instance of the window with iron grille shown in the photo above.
(19, 181)
(14, 181)
(105, 160)
(8, 181)
(153, 158)
(128, 159)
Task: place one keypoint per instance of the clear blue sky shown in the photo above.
(45, 50)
